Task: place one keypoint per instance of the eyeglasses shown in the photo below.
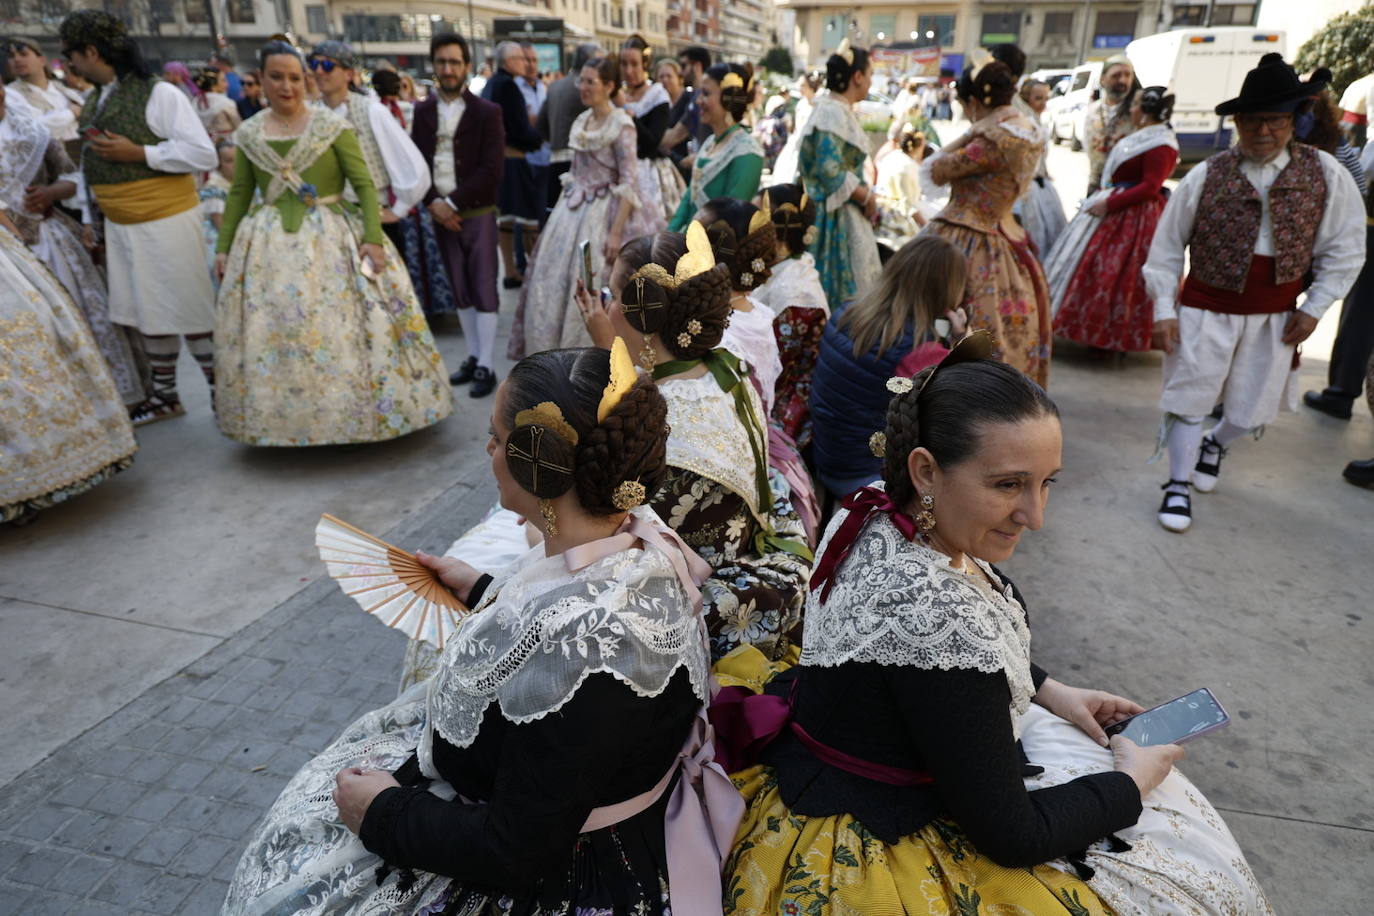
(1273, 122)
(322, 63)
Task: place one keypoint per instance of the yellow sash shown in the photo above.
(146, 199)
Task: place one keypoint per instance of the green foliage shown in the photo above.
(778, 60)
(1345, 44)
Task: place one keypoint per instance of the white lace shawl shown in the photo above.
(708, 438)
(1136, 143)
(319, 135)
(833, 115)
(795, 283)
(714, 157)
(23, 144)
(542, 630)
(897, 602)
(653, 97)
(581, 136)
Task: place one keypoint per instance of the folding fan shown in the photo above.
(388, 583)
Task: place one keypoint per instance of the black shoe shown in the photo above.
(513, 282)
(1360, 473)
(1327, 404)
(1208, 467)
(1176, 511)
(483, 382)
(466, 372)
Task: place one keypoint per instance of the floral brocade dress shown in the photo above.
(1006, 292)
(310, 350)
(795, 295)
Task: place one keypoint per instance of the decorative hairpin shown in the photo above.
(623, 377)
(845, 51)
(647, 289)
(628, 494)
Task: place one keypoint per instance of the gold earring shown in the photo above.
(550, 519)
(925, 519)
(648, 357)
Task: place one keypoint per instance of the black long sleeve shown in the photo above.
(961, 722)
(649, 129)
(515, 117)
(605, 745)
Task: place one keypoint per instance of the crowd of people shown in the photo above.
(738, 641)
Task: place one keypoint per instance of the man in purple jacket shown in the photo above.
(463, 140)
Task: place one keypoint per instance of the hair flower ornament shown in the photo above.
(877, 444)
(900, 385)
(628, 494)
(757, 265)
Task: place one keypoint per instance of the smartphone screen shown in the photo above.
(1177, 720)
(586, 247)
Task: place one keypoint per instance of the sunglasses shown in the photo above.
(322, 63)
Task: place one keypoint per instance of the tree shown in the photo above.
(1344, 44)
(778, 60)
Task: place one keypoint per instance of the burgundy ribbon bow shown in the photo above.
(862, 503)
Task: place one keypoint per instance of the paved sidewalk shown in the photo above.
(149, 811)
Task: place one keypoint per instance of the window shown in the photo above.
(241, 11)
(400, 27)
(195, 11)
(935, 31)
(316, 20)
(1002, 28)
(1233, 14)
(882, 28)
(1058, 25)
(9, 10)
(834, 31)
(1114, 29)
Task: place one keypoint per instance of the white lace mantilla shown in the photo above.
(900, 603)
(541, 631)
(836, 116)
(708, 438)
(653, 97)
(588, 137)
(795, 283)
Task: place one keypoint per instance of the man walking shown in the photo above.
(462, 140)
(143, 144)
(561, 108)
(396, 166)
(1350, 352)
(1108, 119)
(1257, 220)
(519, 200)
(536, 94)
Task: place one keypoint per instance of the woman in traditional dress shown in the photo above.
(808, 84)
(217, 111)
(794, 293)
(63, 427)
(319, 339)
(899, 189)
(600, 205)
(731, 161)
(1041, 210)
(894, 782)
(834, 149)
(660, 183)
(988, 169)
(531, 774)
(213, 194)
(1094, 276)
(35, 175)
(671, 305)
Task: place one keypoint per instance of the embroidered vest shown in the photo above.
(124, 113)
(358, 116)
(1228, 222)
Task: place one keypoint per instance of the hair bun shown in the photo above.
(644, 302)
(541, 460)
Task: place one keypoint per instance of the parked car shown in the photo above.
(1051, 77)
(1069, 101)
(1202, 68)
(876, 107)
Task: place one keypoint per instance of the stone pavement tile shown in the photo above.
(166, 893)
(39, 867)
(120, 837)
(11, 852)
(13, 899)
(83, 830)
(200, 856)
(124, 885)
(42, 823)
(116, 797)
(161, 845)
(208, 897)
(83, 873)
(187, 775)
(135, 765)
(76, 792)
(232, 821)
(155, 804)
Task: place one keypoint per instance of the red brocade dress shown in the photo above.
(1106, 304)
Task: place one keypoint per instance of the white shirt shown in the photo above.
(450, 115)
(54, 103)
(1337, 252)
(400, 157)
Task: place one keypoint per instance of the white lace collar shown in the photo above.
(897, 602)
(542, 630)
(1151, 136)
(794, 284)
(653, 97)
(836, 116)
(587, 137)
(708, 439)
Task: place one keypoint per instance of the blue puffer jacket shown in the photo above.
(848, 405)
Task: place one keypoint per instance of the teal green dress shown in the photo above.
(730, 165)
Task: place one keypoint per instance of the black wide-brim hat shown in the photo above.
(1273, 86)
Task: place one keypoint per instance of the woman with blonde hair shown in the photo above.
(903, 323)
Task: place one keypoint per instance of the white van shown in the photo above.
(1069, 101)
(1202, 68)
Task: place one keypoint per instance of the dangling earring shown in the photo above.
(550, 519)
(648, 357)
(925, 519)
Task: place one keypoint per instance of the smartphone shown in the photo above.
(1176, 721)
(368, 269)
(586, 248)
(91, 133)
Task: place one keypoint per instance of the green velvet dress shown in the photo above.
(310, 350)
(727, 166)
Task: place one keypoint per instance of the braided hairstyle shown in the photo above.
(746, 255)
(704, 298)
(994, 85)
(793, 226)
(946, 414)
(1157, 102)
(734, 99)
(628, 445)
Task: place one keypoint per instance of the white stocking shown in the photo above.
(467, 319)
(486, 337)
(1185, 438)
(1226, 432)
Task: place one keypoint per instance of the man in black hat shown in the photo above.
(1258, 220)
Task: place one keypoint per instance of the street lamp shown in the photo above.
(930, 33)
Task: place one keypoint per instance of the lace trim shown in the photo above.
(583, 137)
(25, 139)
(708, 438)
(653, 97)
(544, 631)
(835, 117)
(319, 134)
(900, 603)
(714, 158)
(794, 284)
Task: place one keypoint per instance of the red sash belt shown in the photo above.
(1261, 296)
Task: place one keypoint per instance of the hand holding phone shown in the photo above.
(1181, 719)
(91, 133)
(586, 248)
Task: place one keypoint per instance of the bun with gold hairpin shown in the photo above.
(623, 459)
(743, 239)
(678, 292)
(794, 216)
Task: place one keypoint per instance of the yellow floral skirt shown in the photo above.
(785, 864)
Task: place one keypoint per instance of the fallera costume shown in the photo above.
(1006, 292)
(795, 295)
(660, 184)
(29, 155)
(727, 166)
(833, 150)
(213, 194)
(63, 427)
(894, 780)
(1094, 273)
(603, 178)
(321, 354)
(536, 766)
(1040, 209)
